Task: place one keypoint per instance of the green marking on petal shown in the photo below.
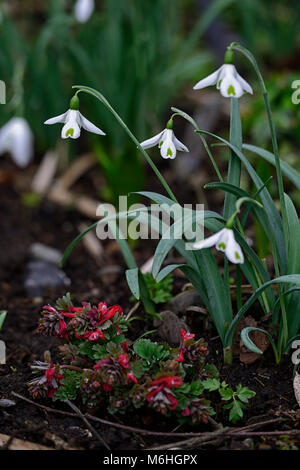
(219, 83)
(222, 246)
(161, 143)
(169, 152)
(231, 90)
(70, 132)
(237, 256)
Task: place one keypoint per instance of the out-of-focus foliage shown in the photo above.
(268, 27)
(138, 53)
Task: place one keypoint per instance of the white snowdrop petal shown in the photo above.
(245, 85)
(71, 129)
(16, 138)
(89, 126)
(62, 118)
(233, 250)
(22, 146)
(83, 10)
(168, 149)
(155, 140)
(209, 80)
(179, 145)
(230, 87)
(209, 242)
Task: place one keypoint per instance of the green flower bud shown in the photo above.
(74, 103)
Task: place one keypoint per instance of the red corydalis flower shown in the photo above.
(108, 313)
(131, 378)
(160, 395)
(101, 363)
(185, 335)
(180, 357)
(94, 335)
(123, 359)
(53, 380)
(63, 330)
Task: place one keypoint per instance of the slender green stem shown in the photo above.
(252, 60)
(238, 287)
(227, 355)
(211, 158)
(194, 124)
(103, 100)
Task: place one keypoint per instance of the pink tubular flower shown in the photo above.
(53, 379)
(123, 360)
(94, 335)
(110, 313)
(185, 335)
(130, 377)
(160, 395)
(168, 381)
(101, 363)
(180, 357)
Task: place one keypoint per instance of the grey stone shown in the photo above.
(6, 403)
(41, 275)
(181, 301)
(45, 253)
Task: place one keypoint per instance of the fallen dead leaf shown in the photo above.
(258, 338)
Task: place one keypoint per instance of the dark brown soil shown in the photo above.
(49, 224)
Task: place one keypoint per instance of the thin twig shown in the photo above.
(205, 436)
(93, 430)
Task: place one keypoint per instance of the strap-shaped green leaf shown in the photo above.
(267, 201)
(289, 279)
(290, 172)
(132, 277)
(2, 317)
(234, 165)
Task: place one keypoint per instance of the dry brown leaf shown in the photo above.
(258, 338)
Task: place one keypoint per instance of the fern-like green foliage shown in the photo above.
(160, 292)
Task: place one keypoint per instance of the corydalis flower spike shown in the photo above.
(223, 241)
(167, 143)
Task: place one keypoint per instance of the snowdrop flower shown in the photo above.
(166, 141)
(83, 10)
(17, 139)
(228, 81)
(223, 241)
(74, 120)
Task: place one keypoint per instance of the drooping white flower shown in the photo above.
(228, 81)
(223, 241)
(16, 138)
(74, 120)
(167, 143)
(83, 10)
